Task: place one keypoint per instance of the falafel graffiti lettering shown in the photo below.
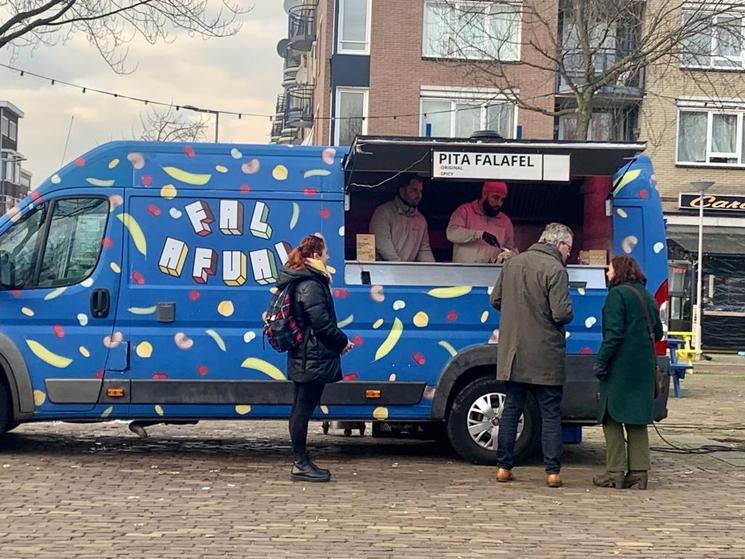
(205, 264)
(231, 217)
(173, 257)
(264, 266)
(259, 225)
(234, 268)
(234, 263)
(201, 216)
(283, 250)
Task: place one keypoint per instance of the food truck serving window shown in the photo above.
(455, 184)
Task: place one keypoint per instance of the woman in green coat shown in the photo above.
(626, 368)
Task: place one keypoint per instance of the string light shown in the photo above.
(240, 115)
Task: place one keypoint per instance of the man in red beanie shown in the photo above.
(479, 231)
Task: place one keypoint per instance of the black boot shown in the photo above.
(304, 471)
(323, 471)
(637, 478)
(616, 480)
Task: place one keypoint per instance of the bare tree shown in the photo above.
(597, 50)
(172, 126)
(109, 25)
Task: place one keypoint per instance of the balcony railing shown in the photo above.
(299, 110)
(277, 127)
(627, 84)
(293, 62)
(288, 135)
(302, 28)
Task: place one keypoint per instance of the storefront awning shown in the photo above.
(717, 240)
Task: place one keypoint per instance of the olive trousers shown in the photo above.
(630, 453)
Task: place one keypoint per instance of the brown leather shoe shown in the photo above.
(553, 480)
(504, 475)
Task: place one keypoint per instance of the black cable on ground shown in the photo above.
(703, 449)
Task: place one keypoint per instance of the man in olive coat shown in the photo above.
(532, 295)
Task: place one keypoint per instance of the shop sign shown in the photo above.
(720, 202)
(505, 166)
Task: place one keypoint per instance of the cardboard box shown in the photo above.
(593, 257)
(366, 248)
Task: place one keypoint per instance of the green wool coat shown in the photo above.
(627, 393)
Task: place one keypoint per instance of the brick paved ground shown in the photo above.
(221, 490)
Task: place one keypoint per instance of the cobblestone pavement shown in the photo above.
(222, 490)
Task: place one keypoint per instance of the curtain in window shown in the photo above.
(501, 118)
(697, 45)
(504, 32)
(436, 30)
(354, 25)
(351, 110)
(467, 119)
(724, 133)
(438, 114)
(692, 137)
(728, 42)
(470, 30)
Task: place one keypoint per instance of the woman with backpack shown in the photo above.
(316, 360)
(626, 368)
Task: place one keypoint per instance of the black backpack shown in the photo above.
(280, 327)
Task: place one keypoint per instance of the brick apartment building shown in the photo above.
(693, 120)
(386, 67)
(15, 182)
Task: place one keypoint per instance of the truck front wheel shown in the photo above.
(473, 422)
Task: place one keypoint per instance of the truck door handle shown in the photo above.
(100, 301)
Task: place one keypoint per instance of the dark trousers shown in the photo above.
(307, 397)
(549, 406)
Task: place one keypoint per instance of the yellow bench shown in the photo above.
(686, 352)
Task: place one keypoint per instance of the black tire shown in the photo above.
(6, 421)
(484, 451)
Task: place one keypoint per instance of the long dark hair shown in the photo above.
(626, 270)
(309, 246)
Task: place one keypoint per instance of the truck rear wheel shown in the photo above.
(473, 422)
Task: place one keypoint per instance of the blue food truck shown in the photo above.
(132, 281)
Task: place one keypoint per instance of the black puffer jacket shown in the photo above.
(317, 359)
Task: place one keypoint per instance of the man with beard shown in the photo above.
(401, 232)
(479, 231)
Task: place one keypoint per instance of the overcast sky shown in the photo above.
(240, 73)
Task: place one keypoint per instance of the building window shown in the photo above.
(354, 27)
(351, 113)
(711, 137)
(12, 131)
(602, 128)
(471, 30)
(461, 117)
(719, 43)
(4, 126)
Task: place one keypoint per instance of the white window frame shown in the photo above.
(464, 96)
(710, 112)
(713, 45)
(461, 56)
(13, 130)
(337, 107)
(340, 32)
(4, 124)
